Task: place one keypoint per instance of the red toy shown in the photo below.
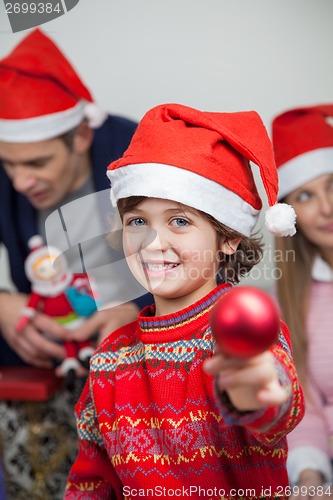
(245, 322)
(58, 293)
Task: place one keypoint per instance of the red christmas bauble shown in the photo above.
(245, 322)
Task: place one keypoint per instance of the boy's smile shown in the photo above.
(172, 251)
(156, 267)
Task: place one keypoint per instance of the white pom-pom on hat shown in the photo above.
(35, 242)
(280, 220)
(95, 115)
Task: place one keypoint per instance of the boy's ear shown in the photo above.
(83, 138)
(229, 246)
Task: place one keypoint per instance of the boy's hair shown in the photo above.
(231, 267)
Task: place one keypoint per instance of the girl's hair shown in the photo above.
(293, 291)
(231, 267)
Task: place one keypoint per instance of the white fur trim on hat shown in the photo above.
(157, 180)
(303, 168)
(43, 127)
(280, 220)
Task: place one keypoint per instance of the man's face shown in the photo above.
(45, 172)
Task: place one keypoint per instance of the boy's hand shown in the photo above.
(251, 383)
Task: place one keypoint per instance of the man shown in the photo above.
(55, 146)
(50, 156)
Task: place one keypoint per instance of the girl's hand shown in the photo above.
(310, 487)
(251, 383)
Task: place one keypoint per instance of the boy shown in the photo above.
(165, 413)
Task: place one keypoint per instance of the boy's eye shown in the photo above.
(136, 222)
(179, 222)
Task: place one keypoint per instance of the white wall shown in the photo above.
(218, 55)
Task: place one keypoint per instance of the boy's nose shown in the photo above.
(152, 240)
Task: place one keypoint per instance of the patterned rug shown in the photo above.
(38, 445)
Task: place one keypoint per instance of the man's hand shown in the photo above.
(105, 322)
(251, 383)
(30, 343)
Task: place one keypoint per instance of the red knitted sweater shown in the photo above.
(151, 426)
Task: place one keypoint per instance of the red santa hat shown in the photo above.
(41, 96)
(303, 145)
(202, 159)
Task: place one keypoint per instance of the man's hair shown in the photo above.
(68, 137)
(231, 267)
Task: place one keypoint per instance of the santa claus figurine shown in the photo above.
(62, 295)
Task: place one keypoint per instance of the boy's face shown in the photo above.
(172, 251)
(45, 172)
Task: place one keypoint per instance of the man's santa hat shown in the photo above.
(41, 96)
(303, 145)
(202, 159)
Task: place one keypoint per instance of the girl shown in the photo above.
(303, 143)
(164, 414)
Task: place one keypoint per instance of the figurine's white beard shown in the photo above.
(52, 288)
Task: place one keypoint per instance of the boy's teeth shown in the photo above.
(159, 267)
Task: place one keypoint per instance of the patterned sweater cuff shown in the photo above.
(230, 414)
(260, 420)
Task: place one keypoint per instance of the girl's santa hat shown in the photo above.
(303, 145)
(202, 159)
(42, 97)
